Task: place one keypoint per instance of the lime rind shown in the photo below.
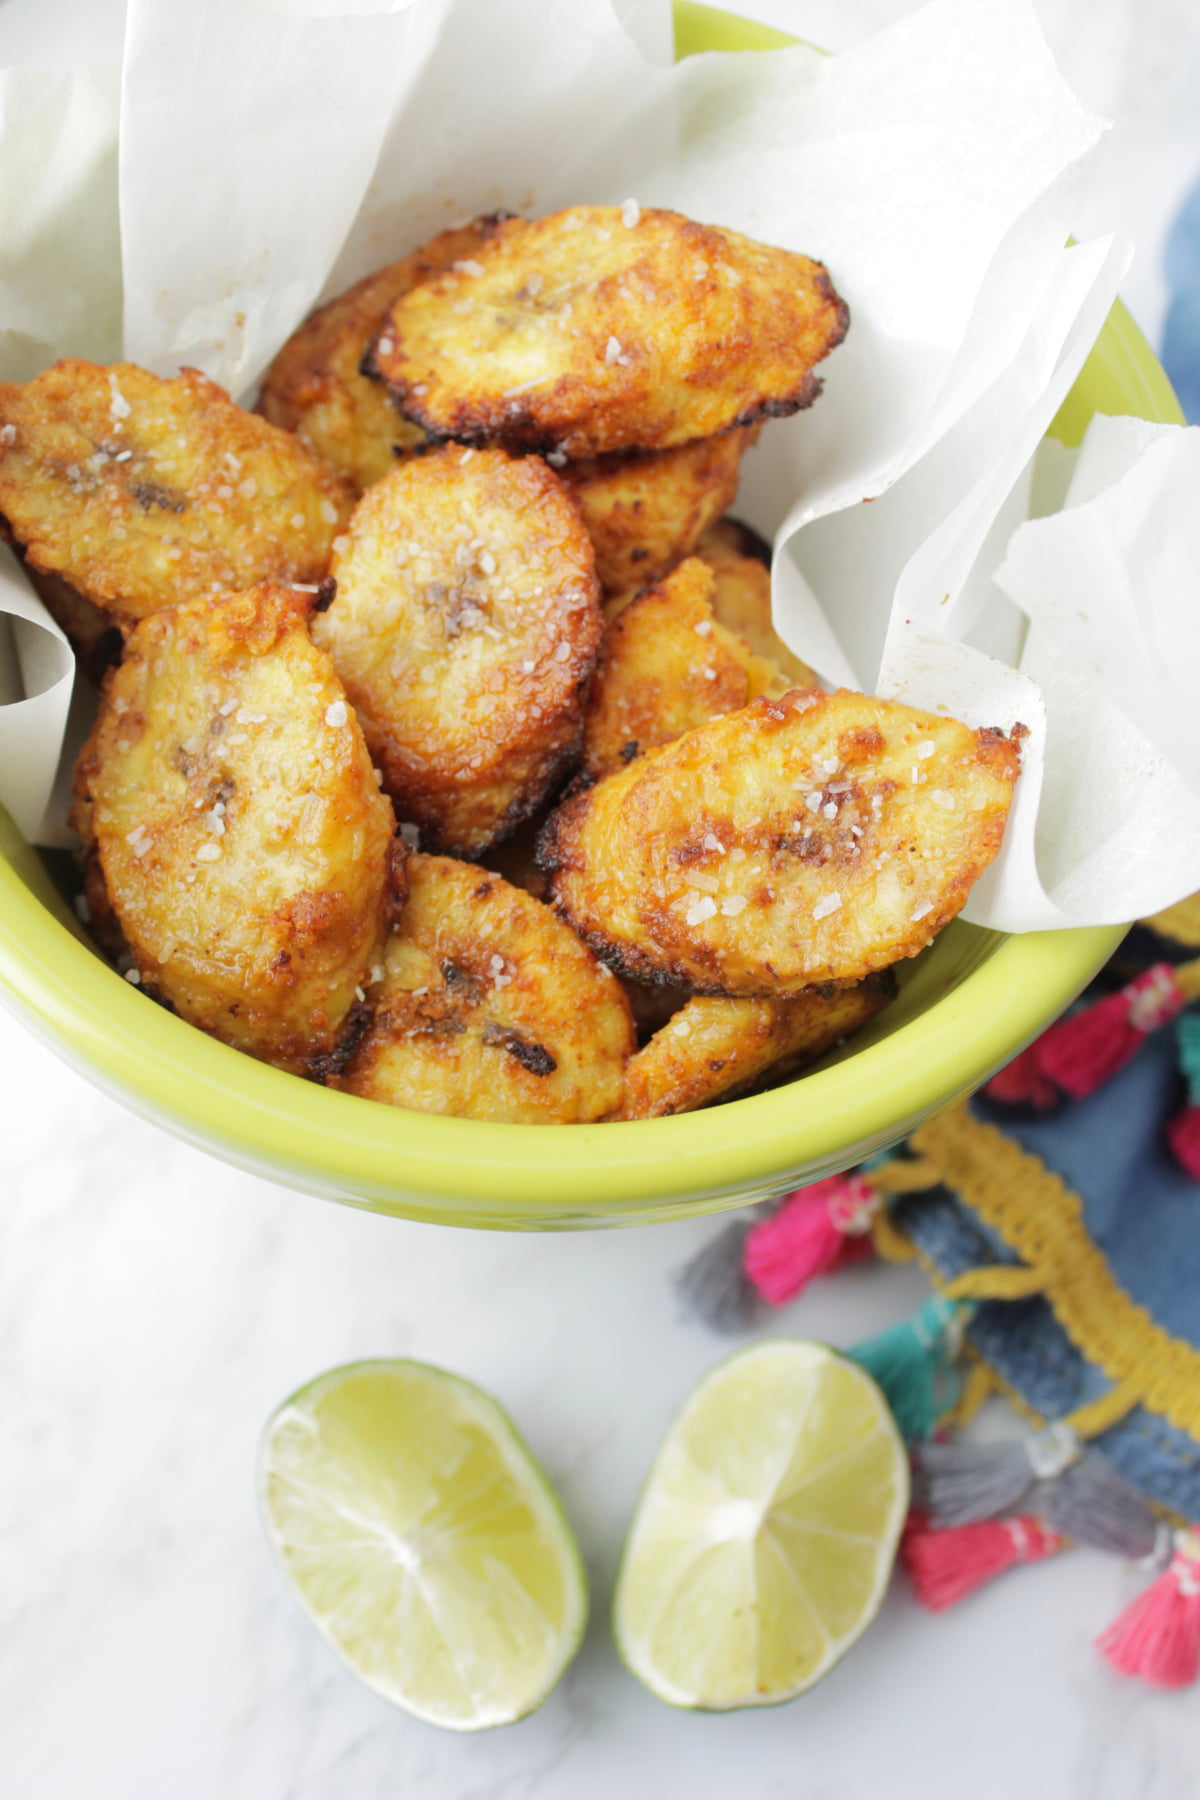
(424, 1541)
(755, 1479)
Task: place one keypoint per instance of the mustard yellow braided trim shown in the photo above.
(1181, 922)
(1040, 1218)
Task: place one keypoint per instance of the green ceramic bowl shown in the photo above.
(965, 1007)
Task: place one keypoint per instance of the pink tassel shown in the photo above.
(1158, 1637)
(946, 1566)
(1022, 1082)
(1183, 1135)
(1081, 1053)
(810, 1235)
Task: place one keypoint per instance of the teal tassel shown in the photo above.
(913, 1363)
(1187, 1034)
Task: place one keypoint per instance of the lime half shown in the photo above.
(424, 1541)
(766, 1533)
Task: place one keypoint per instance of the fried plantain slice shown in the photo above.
(142, 493)
(741, 563)
(715, 1048)
(665, 667)
(812, 838)
(645, 510)
(465, 627)
(490, 1008)
(227, 797)
(315, 386)
(599, 329)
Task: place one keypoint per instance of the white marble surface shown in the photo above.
(155, 1306)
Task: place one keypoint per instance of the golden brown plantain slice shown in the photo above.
(595, 330)
(491, 1008)
(812, 838)
(645, 510)
(315, 386)
(246, 850)
(665, 667)
(715, 1048)
(465, 627)
(143, 493)
(741, 563)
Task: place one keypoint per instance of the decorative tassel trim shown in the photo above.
(1040, 1219)
(1083, 1051)
(1183, 1131)
(1023, 1082)
(964, 1484)
(1158, 1637)
(713, 1285)
(1091, 1504)
(913, 1363)
(811, 1234)
(946, 1566)
(1079, 1053)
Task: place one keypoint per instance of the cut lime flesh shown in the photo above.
(424, 1541)
(765, 1536)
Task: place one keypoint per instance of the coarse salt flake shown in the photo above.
(830, 809)
(341, 543)
(612, 351)
(385, 346)
(828, 903)
(733, 904)
(711, 841)
(329, 512)
(702, 907)
(707, 884)
(522, 387)
(120, 407)
(336, 713)
(468, 266)
(631, 212)
(942, 798)
(208, 853)
(918, 912)
(132, 977)
(926, 749)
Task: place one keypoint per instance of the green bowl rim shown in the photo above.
(535, 1176)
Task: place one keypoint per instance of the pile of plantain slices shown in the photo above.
(446, 752)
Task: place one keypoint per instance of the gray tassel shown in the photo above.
(964, 1484)
(714, 1285)
(1091, 1504)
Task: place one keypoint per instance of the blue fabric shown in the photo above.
(1181, 331)
(1144, 1214)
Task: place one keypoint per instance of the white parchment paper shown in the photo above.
(272, 151)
